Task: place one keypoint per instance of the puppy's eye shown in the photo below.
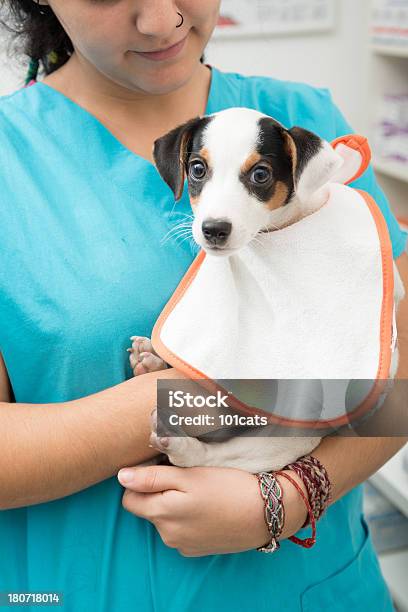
(197, 170)
(261, 174)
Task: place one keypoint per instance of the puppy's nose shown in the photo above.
(216, 232)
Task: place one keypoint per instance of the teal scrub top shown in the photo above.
(83, 267)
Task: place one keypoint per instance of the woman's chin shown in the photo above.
(161, 78)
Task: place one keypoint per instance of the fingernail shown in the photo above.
(125, 476)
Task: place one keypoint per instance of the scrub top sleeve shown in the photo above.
(368, 182)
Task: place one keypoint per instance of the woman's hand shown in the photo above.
(207, 510)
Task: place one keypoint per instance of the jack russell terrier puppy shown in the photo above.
(270, 178)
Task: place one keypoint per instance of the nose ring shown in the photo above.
(182, 20)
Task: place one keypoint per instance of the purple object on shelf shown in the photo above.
(398, 157)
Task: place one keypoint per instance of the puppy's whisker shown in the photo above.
(176, 239)
(185, 232)
(186, 215)
(182, 232)
(267, 228)
(185, 238)
(177, 227)
(194, 246)
(180, 226)
(171, 212)
(179, 233)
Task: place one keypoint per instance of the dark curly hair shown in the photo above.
(43, 38)
(40, 34)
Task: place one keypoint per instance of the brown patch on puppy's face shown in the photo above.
(194, 201)
(290, 148)
(267, 173)
(205, 154)
(252, 160)
(279, 198)
(199, 167)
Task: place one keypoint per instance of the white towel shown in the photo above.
(313, 302)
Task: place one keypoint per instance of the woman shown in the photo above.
(84, 213)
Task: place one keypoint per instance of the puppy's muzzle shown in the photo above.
(216, 232)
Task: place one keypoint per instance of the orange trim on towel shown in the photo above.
(387, 309)
(384, 336)
(360, 144)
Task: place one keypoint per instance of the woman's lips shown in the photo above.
(165, 54)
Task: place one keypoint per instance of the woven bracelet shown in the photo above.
(316, 480)
(274, 512)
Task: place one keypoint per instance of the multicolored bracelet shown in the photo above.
(307, 542)
(316, 480)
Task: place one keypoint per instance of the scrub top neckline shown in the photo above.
(210, 106)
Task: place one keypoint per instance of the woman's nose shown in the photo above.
(158, 18)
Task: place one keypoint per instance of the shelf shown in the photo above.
(392, 480)
(392, 50)
(394, 566)
(255, 31)
(394, 169)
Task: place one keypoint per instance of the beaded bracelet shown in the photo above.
(316, 480)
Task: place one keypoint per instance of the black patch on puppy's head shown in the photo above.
(307, 145)
(171, 152)
(272, 149)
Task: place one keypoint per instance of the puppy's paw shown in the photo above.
(143, 358)
(182, 451)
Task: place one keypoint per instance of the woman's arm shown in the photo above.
(208, 511)
(205, 511)
(49, 451)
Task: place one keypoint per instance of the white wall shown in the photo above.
(338, 60)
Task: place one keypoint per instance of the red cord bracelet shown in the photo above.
(307, 542)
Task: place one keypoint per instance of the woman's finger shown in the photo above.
(152, 478)
(145, 505)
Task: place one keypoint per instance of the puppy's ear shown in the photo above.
(314, 163)
(170, 153)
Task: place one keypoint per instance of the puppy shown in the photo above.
(246, 174)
